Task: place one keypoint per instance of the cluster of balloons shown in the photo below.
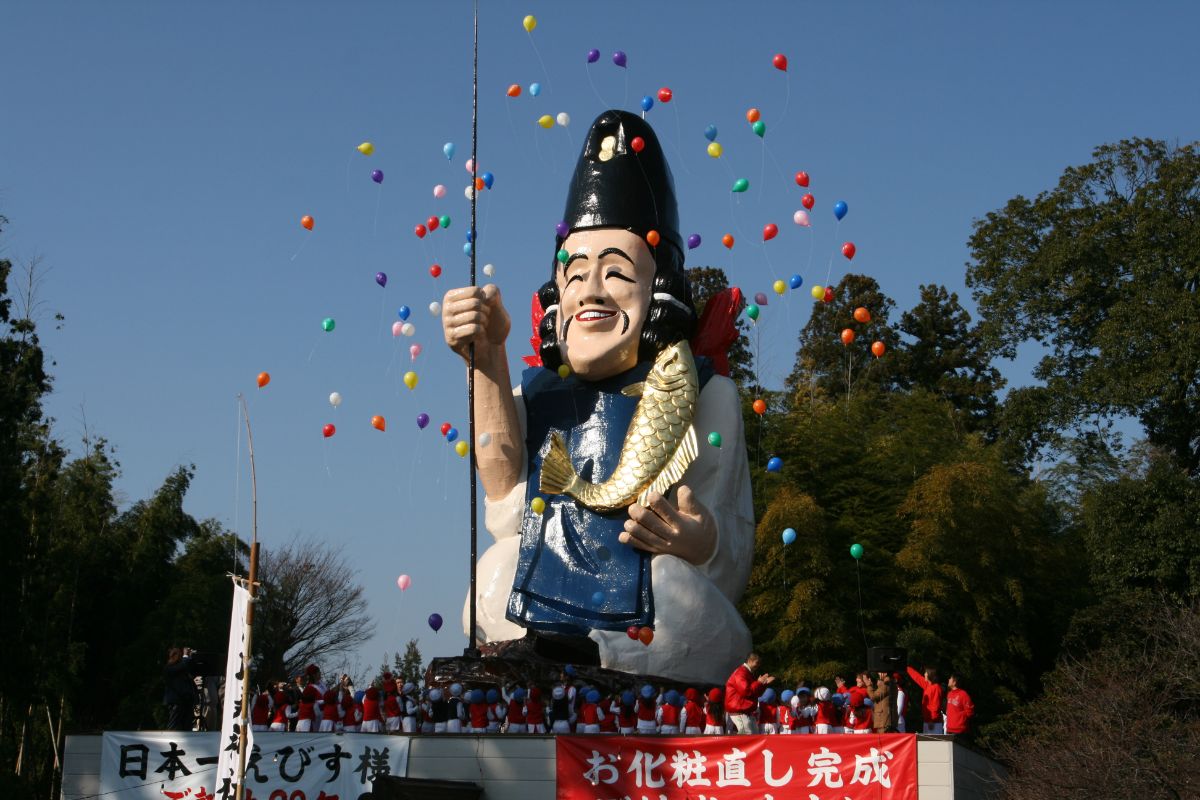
(754, 117)
(432, 224)
(863, 317)
(642, 634)
(664, 96)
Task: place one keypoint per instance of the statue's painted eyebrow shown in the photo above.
(617, 251)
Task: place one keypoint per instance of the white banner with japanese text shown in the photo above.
(152, 765)
(231, 712)
(833, 767)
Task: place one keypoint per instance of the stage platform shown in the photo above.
(519, 767)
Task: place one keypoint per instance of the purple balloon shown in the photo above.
(381, 278)
(619, 58)
(760, 298)
(435, 622)
(422, 420)
(377, 176)
(693, 241)
(593, 56)
(562, 229)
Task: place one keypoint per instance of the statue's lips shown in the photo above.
(594, 316)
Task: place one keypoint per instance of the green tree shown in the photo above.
(1104, 272)
(826, 368)
(946, 356)
(411, 665)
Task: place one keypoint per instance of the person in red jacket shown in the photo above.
(351, 712)
(260, 714)
(741, 695)
(331, 712)
(826, 719)
(372, 720)
(857, 713)
(535, 712)
(692, 718)
(714, 712)
(310, 709)
(959, 708)
(932, 699)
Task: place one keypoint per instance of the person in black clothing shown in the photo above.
(179, 695)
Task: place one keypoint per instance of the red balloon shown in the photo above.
(632, 632)
(760, 407)
(446, 426)
(727, 240)
(652, 238)
(435, 270)
(432, 223)
(328, 431)
(828, 298)
(780, 62)
(770, 231)
(808, 201)
(664, 95)
(378, 423)
(637, 144)
(753, 115)
(420, 231)
(307, 222)
(847, 336)
(646, 635)
(848, 250)
(263, 379)
(514, 90)
(802, 178)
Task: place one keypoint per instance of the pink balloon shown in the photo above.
(801, 218)
(414, 351)
(403, 582)
(470, 166)
(439, 191)
(397, 328)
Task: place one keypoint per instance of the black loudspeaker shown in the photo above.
(887, 659)
(390, 787)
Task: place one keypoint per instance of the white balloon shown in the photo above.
(485, 439)
(409, 329)
(468, 192)
(335, 399)
(563, 119)
(435, 308)
(489, 270)
(439, 191)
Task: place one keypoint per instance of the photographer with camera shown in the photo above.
(179, 695)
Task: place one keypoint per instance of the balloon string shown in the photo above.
(302, 245)
(325, 458)
(538, 53)
(380, 323)
(595, 91)
(378, 197)
(313, 352)
(787, 96)
(762, 171)
(679, 138)
(829, 266)
(861, 626)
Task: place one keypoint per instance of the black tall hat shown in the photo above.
(615, 186)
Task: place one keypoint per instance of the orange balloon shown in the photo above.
(479, 184)
(514, 90)
(878, 349)
(727, 240)
(263, 379)
(307, 222)
(760, 406)
(848, 336)
(752, 116)
(378, 423)
(646, 636)
(652, 239)
(862, 315)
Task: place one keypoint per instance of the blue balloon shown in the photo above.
(840, 208)
(451, 434)
(795, 281)
(467, 249)
(470, 236)
(435, 622)
(448, 149)
(710, 133)
(597, 598)
(647, 103)
(404, 312)
(535, 89)
(789, 534)
(775, 464)
(488, 179)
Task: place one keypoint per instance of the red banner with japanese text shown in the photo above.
(832, 767)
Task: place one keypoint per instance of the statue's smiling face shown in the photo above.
(604, 293)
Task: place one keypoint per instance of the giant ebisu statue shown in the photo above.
(641, 521)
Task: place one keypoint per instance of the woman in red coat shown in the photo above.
(959, 708)
(932, 699)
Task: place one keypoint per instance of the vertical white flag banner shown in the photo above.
(231, 713)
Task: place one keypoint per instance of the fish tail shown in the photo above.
(558, 476)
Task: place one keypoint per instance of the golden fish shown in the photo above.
(659, 445)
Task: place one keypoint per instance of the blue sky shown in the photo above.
(158, 158)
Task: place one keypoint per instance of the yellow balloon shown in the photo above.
(461, 448)
(546, 121)
(563, 370)
(530, 22)
(780, 287)
(817, 292)
(366, 148)
(410, 380)
(538, 505)
(715, 149)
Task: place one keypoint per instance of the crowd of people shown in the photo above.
(748, 703)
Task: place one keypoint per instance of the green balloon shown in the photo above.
(563, 255)
(741, 185)
(760, 128)
(444, 221)
(856, 550)
(752, 311)
(327, 324)
(714, 439)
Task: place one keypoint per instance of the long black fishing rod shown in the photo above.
(472, 649)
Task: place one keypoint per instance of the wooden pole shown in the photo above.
(241, 783)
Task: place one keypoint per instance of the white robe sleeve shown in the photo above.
(502, 515)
